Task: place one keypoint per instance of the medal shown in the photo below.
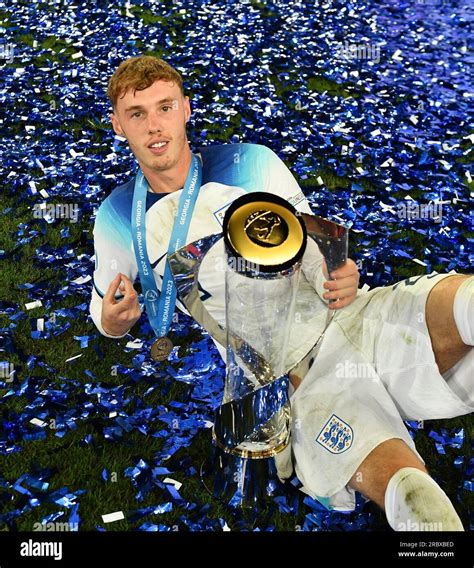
(160, 305)
(161, 348)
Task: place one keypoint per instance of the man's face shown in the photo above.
(154, 123)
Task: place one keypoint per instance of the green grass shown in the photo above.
(79, 466)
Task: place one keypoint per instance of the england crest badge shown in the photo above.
(336, 435)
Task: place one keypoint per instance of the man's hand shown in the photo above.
(118, 316)
(344, 287)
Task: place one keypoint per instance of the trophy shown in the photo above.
(265, 239)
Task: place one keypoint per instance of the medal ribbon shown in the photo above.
(160, 307)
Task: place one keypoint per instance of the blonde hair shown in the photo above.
(139, 73)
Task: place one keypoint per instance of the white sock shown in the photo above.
(463, 310)
(415, 502)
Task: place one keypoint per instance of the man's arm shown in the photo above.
(114, 306)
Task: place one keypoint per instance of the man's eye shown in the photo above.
(136, 114)
(166, 108)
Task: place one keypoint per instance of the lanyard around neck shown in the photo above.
(160, 306)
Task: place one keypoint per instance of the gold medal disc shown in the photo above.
(161, 348)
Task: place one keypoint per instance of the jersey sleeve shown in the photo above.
(277, 179)
(114, 253)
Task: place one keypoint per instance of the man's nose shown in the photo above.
(154, 123)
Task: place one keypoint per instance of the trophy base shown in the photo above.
(253, 450)
(245, 483)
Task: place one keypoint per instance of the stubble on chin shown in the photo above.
(163, 163)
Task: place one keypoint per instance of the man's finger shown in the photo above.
(129, 289)
(349, 268)
(344, 273)
(109, 296)
(130, 294)
(339, 294)
(339, 304)
(341, 283)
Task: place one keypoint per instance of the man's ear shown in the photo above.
(116, 125)
(187, 109)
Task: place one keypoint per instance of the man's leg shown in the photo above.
(448, 346)
(374, 473)
(393, 477)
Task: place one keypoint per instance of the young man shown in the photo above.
(416, 337)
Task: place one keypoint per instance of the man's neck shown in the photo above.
(169, 180)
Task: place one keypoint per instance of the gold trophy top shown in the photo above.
(265, 232)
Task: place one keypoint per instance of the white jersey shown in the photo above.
(229, 171)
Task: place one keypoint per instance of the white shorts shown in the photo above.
(375, 368)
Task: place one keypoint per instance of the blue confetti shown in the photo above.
(353, 101)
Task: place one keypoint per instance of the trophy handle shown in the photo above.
(184, 265)
(331, 238)
(333, 241)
